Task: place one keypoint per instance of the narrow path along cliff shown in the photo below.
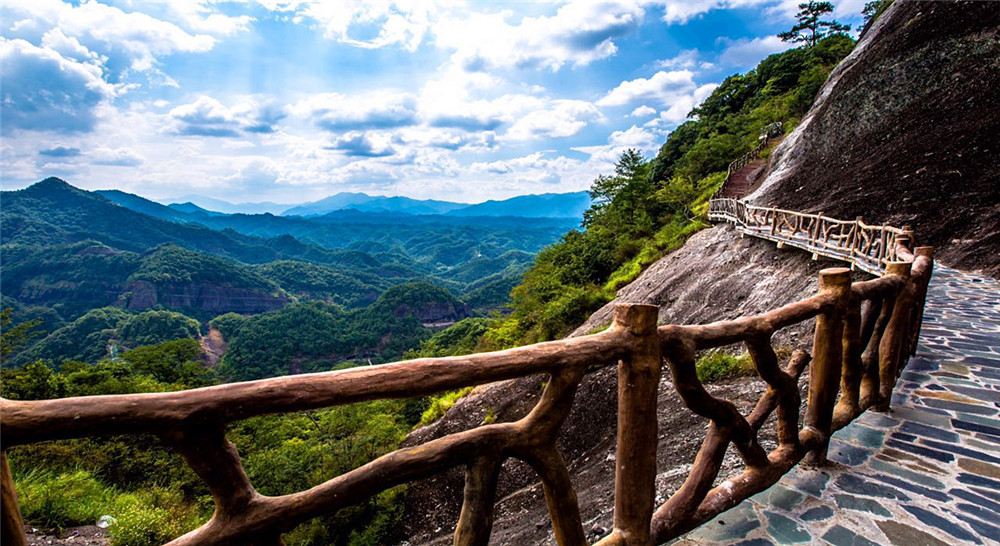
(926, 473)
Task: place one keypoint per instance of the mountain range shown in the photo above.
(546, 205)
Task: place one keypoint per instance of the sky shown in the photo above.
(293, 100)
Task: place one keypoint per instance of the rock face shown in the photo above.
(209, 298)
(905, 132)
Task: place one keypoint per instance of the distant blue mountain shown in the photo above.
(145, 206)
(546, 205)
(210, 204)
(372, 203)
(191, 208)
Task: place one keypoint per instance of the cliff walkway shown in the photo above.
(865, 334)
(928, 472)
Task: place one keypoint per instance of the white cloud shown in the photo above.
(202, 16)
(680, 107)
(662, 87)
(398, 23)
(74, 91)
(578, 33)
(209, 117)
(748, 52)
(110, 30)
(619, 141)
(359, 144)
(560, 118)
(642, 111)
(117, 157)
(681, 11)
(374, 110)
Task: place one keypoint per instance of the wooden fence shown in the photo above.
(864, 334)
(870, 248)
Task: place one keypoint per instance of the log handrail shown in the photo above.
(870, 248)
(864, 333)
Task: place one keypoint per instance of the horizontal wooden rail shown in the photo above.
(869, 248)
(864, 333)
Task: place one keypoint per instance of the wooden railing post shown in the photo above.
(824, 374)
(896, 335)
(11, 526)
(635, 460)
(921, 296)
(475, 523)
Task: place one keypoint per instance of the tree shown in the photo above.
(810, 28)
(13, 338)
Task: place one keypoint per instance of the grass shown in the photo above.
(717, 365)
(440, 404)
(141, 518)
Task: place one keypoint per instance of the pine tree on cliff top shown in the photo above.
(811, 28)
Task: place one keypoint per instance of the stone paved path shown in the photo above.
(928, 473)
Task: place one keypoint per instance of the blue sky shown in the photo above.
(289, 101)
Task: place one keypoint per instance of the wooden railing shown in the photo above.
(766, 134)
(870, 248)
(864, 333)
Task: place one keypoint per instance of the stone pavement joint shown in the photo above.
(928, 472)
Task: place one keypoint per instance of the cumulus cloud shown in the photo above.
(141, 38)
(633, 137)
(60, 151)
(44, 91)
(578, 33)
(358, 144)
(117, 157)
(561, 118)
(204, 117)
(643, 111)
(663, 88)
(681, 11)
(748, 52)
(399, 23)
(207, 116)
(680, 107)
(377, 110)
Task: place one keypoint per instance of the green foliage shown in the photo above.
(872, 11)
(440, 404)
(154, 326)
(810, 27)
(314, 336)
(100, 332)
(716, 365)
(61, 500)
(461, 338)
(177, 361)
(13, 337)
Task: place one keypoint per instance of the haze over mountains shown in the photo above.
(546, 205)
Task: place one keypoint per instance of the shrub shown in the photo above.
(440, 404)
(715, 365)
(61, 500)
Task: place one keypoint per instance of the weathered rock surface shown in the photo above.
(905, 132)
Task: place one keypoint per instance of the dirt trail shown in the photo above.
(213, 346)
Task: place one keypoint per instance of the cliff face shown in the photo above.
(902, 133)
(905, 132)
